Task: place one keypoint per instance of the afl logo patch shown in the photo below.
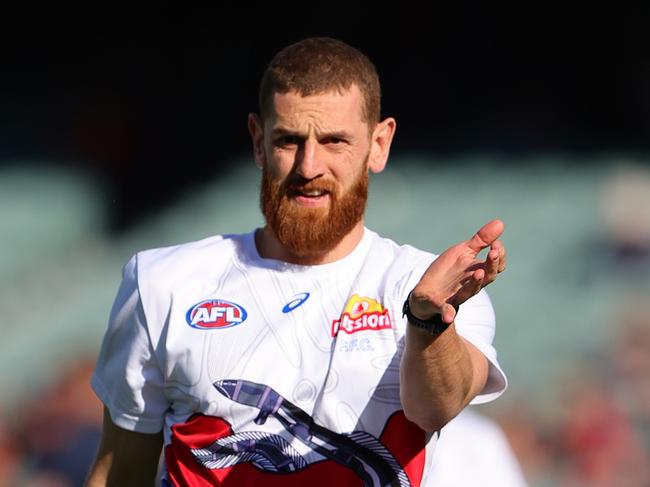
(215, 313)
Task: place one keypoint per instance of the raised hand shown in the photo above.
(457, 275)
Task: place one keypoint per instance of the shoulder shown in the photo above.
(398, 254)
(186, 257)
(401, 265)
(161, 271)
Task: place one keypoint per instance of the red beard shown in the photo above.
(311, 232)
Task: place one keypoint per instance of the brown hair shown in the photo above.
(317, 65)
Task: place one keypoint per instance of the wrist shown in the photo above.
(433, 323)
(415, 306)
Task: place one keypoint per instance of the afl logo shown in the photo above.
(215, 313)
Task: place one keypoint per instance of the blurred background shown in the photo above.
(122, 131)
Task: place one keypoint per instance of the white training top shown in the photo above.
(264, 372)
(474, 450)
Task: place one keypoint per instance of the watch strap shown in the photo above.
(433, 325)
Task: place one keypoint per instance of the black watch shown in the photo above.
(433, 325)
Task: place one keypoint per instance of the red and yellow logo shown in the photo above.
(361, 313)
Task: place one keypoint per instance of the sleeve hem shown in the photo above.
(497, 382)
(125, 420)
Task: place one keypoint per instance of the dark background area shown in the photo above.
(156, 102)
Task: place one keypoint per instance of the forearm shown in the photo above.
(439, 376)
(125, 458)
(98, 475)
(116, 470)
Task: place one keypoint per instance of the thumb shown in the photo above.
(486, 235)
(448, 313)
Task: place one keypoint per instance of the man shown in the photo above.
(282, 356)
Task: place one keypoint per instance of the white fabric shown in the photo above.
(155, 369)
(472, 451)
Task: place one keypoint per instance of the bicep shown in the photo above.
(125, 457)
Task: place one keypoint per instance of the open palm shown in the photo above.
(457, 275)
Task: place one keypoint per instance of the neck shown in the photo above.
(269, 247)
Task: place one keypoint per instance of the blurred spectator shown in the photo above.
(626, 214)
(599, 446)
(630, 355)
(59, 431)
(530, 439)
(10, 455)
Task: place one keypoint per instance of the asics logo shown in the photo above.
(297, 300)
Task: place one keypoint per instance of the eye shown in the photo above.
(333, 140)
(287, 141)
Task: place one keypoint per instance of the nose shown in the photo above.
(309, 161)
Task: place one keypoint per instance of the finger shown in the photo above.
(470, 287)
(492, 263)
(502, 259)
(486, 235)
(498, 246)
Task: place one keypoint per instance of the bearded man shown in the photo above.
(311, 351)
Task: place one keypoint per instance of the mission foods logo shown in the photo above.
(215, 313)
(361, 313)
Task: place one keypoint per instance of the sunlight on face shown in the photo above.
(315, 182)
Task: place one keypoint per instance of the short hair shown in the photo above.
(317, 65)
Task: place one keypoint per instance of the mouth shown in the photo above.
(310, 197)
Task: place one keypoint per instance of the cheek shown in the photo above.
(279, 162)
(351, 167)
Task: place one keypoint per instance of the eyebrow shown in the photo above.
(338, 134)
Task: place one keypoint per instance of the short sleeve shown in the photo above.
(127, 377)
(476, 323)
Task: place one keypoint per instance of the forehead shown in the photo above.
(331, 110)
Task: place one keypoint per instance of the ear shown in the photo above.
(382, 137)
(256, 129)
